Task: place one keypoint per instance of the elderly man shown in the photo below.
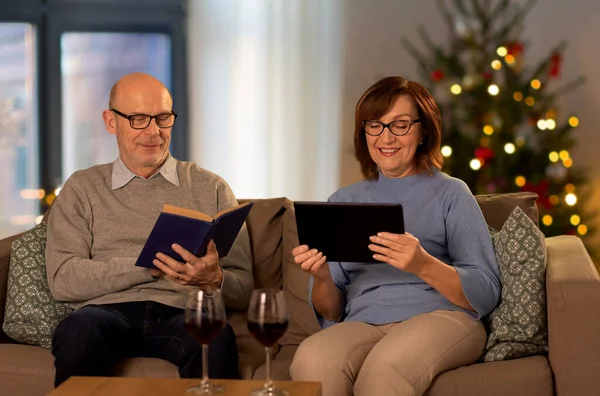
(97, 228)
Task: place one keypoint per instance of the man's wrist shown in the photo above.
(221, 278)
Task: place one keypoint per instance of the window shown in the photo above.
(55, 78)
(19, 178)
(90, 64)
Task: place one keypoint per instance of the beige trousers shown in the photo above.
(397, 359)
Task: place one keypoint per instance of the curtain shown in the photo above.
(266, 93)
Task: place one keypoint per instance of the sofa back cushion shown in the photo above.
(265, 224)
(265, 229)
(272, 230)
(302, 319)
(497, 207)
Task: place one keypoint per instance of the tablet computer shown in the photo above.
(342, 230)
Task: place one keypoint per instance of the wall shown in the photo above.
(370, 38)
(373, 49)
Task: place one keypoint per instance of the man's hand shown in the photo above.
(195, 271)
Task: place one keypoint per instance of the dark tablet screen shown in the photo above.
(342, 230)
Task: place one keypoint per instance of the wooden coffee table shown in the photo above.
(125, 386)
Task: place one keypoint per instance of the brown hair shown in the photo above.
(377, 101)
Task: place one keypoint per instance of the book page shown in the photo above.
(233, 208)
(186, 213)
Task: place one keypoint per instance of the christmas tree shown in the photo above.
(502, 129)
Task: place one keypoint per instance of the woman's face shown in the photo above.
(394, 155)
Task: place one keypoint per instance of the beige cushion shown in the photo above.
(25, 370)
(497, 207)
(265, 223)
(522, 377)
(518, 326)
(302, 322)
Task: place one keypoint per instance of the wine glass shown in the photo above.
(204, 320)
(267, 322)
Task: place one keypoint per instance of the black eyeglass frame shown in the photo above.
(410, 124)
(130, 117)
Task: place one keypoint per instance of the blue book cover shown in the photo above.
(192, 230)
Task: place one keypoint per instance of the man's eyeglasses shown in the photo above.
(141, 121)
(398, 127)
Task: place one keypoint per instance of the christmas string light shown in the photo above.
(573, 121)
(493, 89)
(446, 151)
(475, 164)
(575, 219)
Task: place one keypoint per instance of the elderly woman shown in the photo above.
(392, 325)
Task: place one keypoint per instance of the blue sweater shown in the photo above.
(442, 213)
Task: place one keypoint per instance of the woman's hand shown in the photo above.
(403, 251)
(312, 261)
(325, 296)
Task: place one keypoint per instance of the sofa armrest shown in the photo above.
(573, 293)
(5, 246)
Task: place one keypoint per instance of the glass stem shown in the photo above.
(204, 364)
(269, 383)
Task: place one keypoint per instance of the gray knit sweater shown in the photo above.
(95, 235)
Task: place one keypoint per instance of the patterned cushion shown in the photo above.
(31, 312)
(518, 326)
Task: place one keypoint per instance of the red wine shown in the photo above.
(267, 333)
(203, 329)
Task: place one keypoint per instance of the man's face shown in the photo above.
(142, 150)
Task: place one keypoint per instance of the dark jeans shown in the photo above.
(92, 339)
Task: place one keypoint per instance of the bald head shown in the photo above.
(143, 150)
(136, 84)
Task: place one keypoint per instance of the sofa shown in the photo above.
(571, 367)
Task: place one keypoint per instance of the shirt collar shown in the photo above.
(121, 174)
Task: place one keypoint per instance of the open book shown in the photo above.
(192, 230)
